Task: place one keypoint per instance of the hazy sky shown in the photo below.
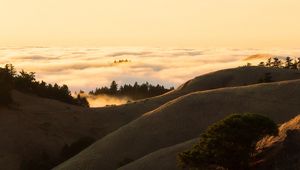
(164, 23)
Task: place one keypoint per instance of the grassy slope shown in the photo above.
(36, 124)
(280, 152)
(185, 118)
(162, 159)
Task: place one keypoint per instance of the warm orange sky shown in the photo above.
(181, 23)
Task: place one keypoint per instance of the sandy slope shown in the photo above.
(34, 125)
(185, 118)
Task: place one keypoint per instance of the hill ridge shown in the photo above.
(168, 125)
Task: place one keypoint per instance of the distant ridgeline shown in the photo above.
(134, 92)
(26, 82)
(275, 62)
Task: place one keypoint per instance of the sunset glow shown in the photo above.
(166, 42)
(189, 23)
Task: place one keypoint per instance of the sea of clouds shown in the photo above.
(87, 68)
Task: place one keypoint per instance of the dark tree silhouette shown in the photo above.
(70, 150)
(113, 88)
(261, 64)
(229, 143)
(288, 62)
(276, 62)
(269, 62)
(5, 86)
(266, 79)
(26, 82)
(135, 92)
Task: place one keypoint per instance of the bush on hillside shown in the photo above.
(266, 79)
(228, 143)
(69, 151)
(5, 87)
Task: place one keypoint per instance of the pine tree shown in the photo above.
(288, 62)
(269, 62)
(276, 63)
(113, 88)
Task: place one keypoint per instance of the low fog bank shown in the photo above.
(87, 68)
(105, 100)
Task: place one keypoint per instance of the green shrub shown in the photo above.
(228, 143)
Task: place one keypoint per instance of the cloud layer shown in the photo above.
(87, 68)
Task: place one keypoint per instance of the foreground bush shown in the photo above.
(228, 143)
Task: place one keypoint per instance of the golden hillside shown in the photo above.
(33, 125)
(185, 118)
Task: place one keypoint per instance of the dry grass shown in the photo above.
(185, 118)
(35, 125)
(282, 151)
(161, 159)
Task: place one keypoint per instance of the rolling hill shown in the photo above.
(35, 126)
(185, 118)
(279, 152)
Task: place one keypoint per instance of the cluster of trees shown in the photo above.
(134, 92)
(288, 63)
(229, 143)
(26, 82)
(121, 61)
